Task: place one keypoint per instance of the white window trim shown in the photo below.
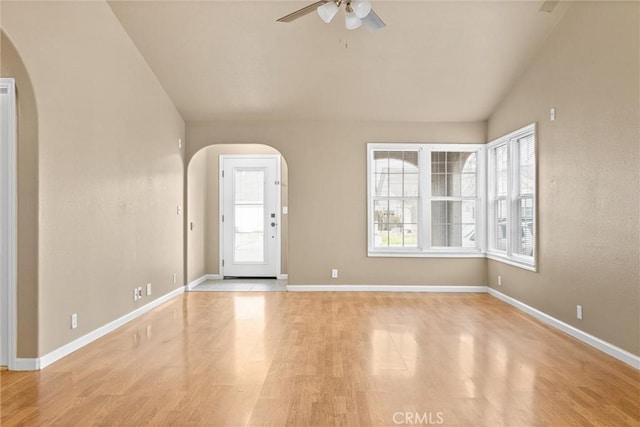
(424, 169)
(508, 257)
(9, 224)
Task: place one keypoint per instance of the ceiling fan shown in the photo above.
(357, 12)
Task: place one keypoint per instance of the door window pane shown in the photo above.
(249, 186)
(249, 216)
(249, 233)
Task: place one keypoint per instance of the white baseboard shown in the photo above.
(282, 277)
(384, 288)
(202, 279)
(27, 364)
(610, 349)
(23, 364)
(74, 345)
(196, 282)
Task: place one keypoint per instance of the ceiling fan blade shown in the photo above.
(302, 12)
(373, 22)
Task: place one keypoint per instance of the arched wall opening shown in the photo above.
(203, 211)
(28, 200)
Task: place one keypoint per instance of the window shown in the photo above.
(453, 199)
(512, 198)
(396, 199)
(424, 199)
(432, 199)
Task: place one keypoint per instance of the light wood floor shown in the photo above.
(322, 359)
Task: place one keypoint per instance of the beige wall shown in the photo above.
(27, 292)
(327, 197)
(197, 179)
(101, 175)
(109, 170)
(588, 172)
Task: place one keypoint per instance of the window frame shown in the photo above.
(424, 248)
(509, 256)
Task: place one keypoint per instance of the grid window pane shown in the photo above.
(453, 223)
(410, 161)
(468, 185)
(501, 169)
(524, 239)
(526, 171)
(411, 235)
(398, 201)
(453, 174)
(382, 184)
(410, 187)
(381, 223)
(512, 179)
(501, 224)
(381, 161)
(397, 182)
(396, 164)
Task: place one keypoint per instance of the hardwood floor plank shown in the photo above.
(328, 359)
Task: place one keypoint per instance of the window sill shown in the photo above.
(453, 254)
(421, 254)
(511, 261)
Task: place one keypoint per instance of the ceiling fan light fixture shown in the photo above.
(327, 11)
(357, 13)
(361, 8)
(372, 22)
(351, 20)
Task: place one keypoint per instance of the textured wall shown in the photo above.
(327, 197)
(588, 172)
(109, 169)
(27, 290)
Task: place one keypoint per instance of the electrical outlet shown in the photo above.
(139, 292)
(579, 312)
(148, 289)
(135, 294)
(334, 273)
(74, 320)
(175, 278)
(499, 280)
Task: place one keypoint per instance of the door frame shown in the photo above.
(278, 158)
(8, 282)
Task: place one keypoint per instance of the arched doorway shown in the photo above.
(205, 230)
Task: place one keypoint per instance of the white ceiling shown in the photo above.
(435, 61)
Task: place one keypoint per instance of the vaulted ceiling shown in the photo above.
(435, 60)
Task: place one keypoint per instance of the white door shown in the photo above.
(250, 207)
